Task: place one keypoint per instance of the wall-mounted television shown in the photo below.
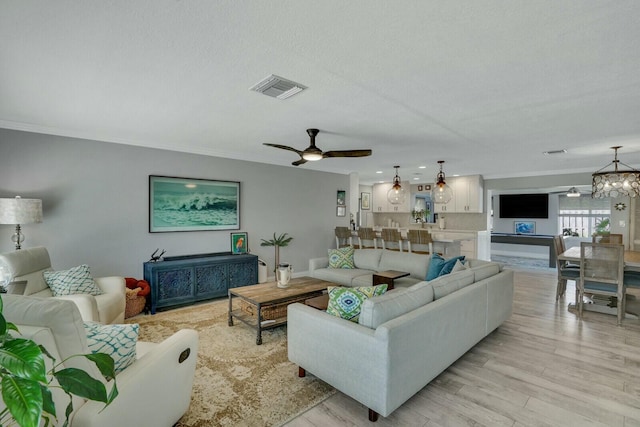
(524, 205)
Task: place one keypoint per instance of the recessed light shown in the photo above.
(378, 171)
(415, 178)
(422, 167)
(456, 174)
(547, 153)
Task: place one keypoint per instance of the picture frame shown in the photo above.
(365, 201)
(342, 198)
(524, 227)
(419, 187)
(193, 204)
(239, 243)
(341, 211)
(427, 187)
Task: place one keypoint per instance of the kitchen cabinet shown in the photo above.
(381, 204)
(468, 194)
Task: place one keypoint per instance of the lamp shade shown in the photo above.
(615, 183)
(20, 211)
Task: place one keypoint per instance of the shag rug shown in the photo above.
(237, 382)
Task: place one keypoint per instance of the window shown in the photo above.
(580, 215)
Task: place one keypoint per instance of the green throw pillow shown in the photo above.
(118, 341)
(341, 257)
(347, 302)
(76, 280)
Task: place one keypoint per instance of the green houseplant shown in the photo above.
(277, 242)
(26, 385)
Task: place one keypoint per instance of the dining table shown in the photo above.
(631, 263)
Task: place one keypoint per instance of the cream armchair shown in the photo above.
(29, 264)
(153, 391)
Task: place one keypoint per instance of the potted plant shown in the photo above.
(25, 383)
(277, 242)
(602, 227)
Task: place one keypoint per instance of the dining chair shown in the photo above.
(608, 238)
(566, 270)
(391, 236)
(602, 273)
(366, 234)
(419, 238)
(343, 237)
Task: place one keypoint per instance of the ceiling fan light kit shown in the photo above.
(573, 192)
(396, 194)
(441, 193)
(615, 183)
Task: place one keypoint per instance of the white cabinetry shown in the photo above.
(467, 195)
(381, 204)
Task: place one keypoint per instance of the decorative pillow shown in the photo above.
(347, 302)
(459, 266)
(118, 341)
(76, 280)
(341, 257)
(439, 266)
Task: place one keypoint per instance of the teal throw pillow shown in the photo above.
(76, 280)
(118, 341)
(347, 302)
(341, 257)
(439, 266)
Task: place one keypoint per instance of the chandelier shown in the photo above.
(441, 193)
(396, 194)
(615, 183)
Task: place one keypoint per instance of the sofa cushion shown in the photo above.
(367, 259)
(439, 266)
(76, 280)
(118, 341)
(28, 264)
(444, 285)
(347, 302)
(485, 270)
(341, 257)
(342, 276)
(378, 310)
(414, 264)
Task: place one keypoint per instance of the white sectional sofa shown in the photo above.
(404, 338)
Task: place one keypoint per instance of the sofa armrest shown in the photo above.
(144, 398)
(86, 305)
(317, 263)
(111, 284)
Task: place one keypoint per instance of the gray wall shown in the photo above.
(95, 202)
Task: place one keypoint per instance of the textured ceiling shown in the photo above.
(486, 86)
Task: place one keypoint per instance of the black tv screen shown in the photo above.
(524, 206)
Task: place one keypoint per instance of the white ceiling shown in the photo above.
(486, 86)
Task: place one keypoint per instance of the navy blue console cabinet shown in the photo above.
(187, 279)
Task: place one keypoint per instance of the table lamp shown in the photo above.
(20, 211)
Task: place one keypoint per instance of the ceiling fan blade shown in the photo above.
(347, 153)
(284, 147)
(299, 162)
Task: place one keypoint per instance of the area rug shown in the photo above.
(237, 382)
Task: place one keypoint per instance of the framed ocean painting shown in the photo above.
(191, 204)
(524, 227)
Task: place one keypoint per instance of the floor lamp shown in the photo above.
(20, 211)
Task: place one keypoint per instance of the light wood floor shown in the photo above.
(543, 367)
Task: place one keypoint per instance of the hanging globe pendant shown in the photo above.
(396, 194)
(441, 193)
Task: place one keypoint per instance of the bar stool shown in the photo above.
(343, 237)
(391, 236)
(367, 233)
(422, 238)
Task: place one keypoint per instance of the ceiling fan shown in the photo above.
(313, 153)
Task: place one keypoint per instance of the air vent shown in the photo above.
(277, 87)
(551, 152)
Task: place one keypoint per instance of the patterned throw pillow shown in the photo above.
(118, 341)
(341, 257)
(76, 280)
(347, 302)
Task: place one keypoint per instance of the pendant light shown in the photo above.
(396, 194)
(441, 193)
(615, 183)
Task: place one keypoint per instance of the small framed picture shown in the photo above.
(419, 187)
(341, 211)
(427, 187)
(524, 227)
(342, 197)
(365, 201)
(239, 243)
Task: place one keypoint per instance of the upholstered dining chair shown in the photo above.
(367, 234)
(602, 273)
(608, 238)
(391, 237)
(343, 237)
(566, 270)
(420, 239)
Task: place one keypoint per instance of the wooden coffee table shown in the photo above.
(388, 277)
(264, 306)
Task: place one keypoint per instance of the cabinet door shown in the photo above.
(380, 203)
(211, 281)
(243, 273)
(173, 286)
(475, 194)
